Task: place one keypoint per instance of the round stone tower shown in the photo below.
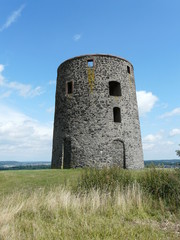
(96, 121)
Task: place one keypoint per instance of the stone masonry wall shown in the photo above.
(85, 133)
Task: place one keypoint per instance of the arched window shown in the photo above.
(114, 88)
(117, 114)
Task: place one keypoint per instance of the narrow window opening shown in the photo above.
(69, 86)
(128, 69)
(67, 153)
(117, 114)
(90, 63)
(114, 88)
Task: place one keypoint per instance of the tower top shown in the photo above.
(97, 54)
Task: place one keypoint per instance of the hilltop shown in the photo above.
(90, 204)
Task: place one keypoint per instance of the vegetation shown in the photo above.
(14, 165)
(29, 180)
(173, 163)
(163, 185)
(28, 167)
(90, 204)
(178, 152)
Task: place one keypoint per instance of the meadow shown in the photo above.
(90, 204)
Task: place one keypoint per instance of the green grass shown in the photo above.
(161, 184)
(89, 204)
(29, 180)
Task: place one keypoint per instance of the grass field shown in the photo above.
(30, 180)
(89, 204)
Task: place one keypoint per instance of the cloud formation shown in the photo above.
(77, 37)
(5, 94)
(52, 82)
(157, 146)
(1, 68)
(150, 138)
(24, 90)
(146, 101)
(1, 76)
(12, 18)
(174, 112)
(174, 132)
(23, 138)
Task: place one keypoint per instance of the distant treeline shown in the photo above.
(27, 167)
(174, 163)
(163, 163)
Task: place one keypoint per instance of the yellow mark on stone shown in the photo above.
(90, 72)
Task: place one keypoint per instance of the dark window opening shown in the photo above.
(69, 89)
(114, 88)
(90, 63)
(117, 114)
(67, 153)
(128, 69)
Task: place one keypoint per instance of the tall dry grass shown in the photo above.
(161, 184)
(63, 214)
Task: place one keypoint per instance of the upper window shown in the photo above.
(90, 63)
(128, 69)
(117, 114)
(69, 87)
(114, 88)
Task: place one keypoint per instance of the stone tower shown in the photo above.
(96, 119)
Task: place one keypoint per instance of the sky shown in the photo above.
(37, 36)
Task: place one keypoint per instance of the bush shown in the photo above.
(160, 184)
(106, 179)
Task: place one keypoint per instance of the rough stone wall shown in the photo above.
(85, 133)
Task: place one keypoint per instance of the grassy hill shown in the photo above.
(90, 204)
(31, 180)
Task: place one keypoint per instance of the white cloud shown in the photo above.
(35, 92)
(152, 138)
(174, 132)
(52, 82)
(160, 150)
(5, 94)
(23, 138)
(77, 37)
(146, 101)
(157, 146)
(1, 76)
(148, 146)
(24, 90)
(174, 112)
(12, 18)
(1, 68)
(169, 143)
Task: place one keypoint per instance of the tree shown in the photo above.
(178, 152)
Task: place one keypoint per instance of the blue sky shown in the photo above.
(36, 36)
